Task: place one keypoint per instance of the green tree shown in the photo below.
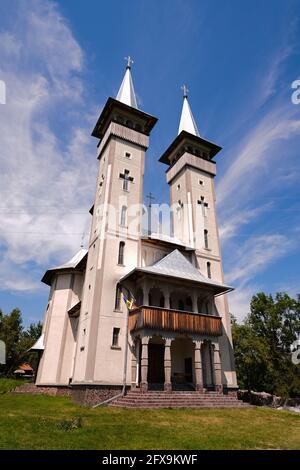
(262, 345)
(17, 339)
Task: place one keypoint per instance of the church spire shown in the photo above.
(187, 122)
(126, 92)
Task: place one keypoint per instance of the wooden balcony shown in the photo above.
(156, 318)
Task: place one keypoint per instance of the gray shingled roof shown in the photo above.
(71, 264)
(177, 266)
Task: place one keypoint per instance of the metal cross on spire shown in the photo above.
(151, 198)
(185, 90)
(129, 61)
(82, 240)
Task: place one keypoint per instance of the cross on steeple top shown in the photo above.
(129, 61)
(185, 90)
(151, 198)
(82, 239)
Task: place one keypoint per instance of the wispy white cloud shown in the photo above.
(46, 185)
(231, 225)
(252, 258)
(258, 153)
(239, 301)
(256, 254)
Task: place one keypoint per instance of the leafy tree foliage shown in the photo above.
(262, 345)
(18, 340)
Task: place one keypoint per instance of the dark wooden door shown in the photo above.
(188, 369)
(156, 372)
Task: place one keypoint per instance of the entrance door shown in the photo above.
(156, 372)
(188, 369)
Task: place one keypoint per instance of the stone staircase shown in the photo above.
(177, 399)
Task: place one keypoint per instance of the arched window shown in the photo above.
(179, 208)
(162, 301)
(180, 305)
(189, 304)
(118, 297)
(208, 269)
(206, 238)
(121, 253)
(123, 215)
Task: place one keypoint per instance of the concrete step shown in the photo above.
(177, 399)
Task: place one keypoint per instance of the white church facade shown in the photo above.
(177, 334)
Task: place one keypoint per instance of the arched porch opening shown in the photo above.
(156, 370)
(156, 297)
(183, 364)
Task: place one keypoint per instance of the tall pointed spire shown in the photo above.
(187, 121)
(126, 92)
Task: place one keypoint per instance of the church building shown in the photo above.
(140, 312)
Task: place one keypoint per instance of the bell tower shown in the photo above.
(190, 175)
(115, 239)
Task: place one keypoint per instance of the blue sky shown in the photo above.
(61, 60)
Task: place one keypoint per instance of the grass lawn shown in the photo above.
(6, 385)
(43, 422)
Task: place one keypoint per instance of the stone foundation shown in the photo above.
(90, 395)
(52, 391)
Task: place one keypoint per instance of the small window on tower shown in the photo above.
(121, 253)
(178, 186)
(118, 298)
(206, 238)
(127, 155)
(201, 182)
(208, 269)
(123, 216)
(115, 337)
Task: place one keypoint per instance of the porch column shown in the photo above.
(217, 366)
(198, 367)
(167, 365)
(166, 292)
(144, 363)
(195, 302)
(133, 365)
(137, 355)
(145, 294)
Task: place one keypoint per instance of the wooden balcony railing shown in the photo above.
(156, 318)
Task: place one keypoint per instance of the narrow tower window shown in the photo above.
(208, 269)
(123, 215)
(206, 238)
(121, 253)
(179, 207)
(118, 297)
(115, 337)
(204, 206)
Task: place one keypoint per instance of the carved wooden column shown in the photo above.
(144, 363)
(198, 366)
(217, 367)
(168, 365)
